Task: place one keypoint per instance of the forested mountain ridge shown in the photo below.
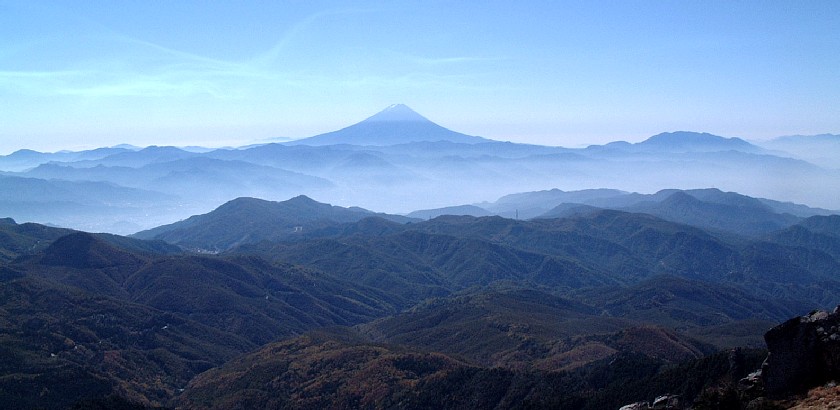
(250, 220)
(554, 299)
(140, 321)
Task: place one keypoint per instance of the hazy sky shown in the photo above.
(82, 73)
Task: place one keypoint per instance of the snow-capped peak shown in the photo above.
(397, 112)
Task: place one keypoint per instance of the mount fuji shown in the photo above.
(397, 124)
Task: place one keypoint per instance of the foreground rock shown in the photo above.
(804, 352)
(666, 402)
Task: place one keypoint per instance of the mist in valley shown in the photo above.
(417, 165)
(415, 205)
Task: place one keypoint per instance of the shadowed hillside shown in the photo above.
(565, 311)
(336, 370)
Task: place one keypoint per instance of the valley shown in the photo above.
(399, 162)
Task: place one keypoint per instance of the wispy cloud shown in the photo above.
(37, 82)
(136, 68)
(23, 75)
(130, 66)
(151, 87)
(133, 67)
(430, 61)
(103, 84)
(427, 61)
(275, 53)
(419, 81)
(186, 58)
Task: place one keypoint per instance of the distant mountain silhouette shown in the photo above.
(25, 158)
(710, 208)
(89, 193)
(799, 139)
(822, 150)
(396, 124)
(679, 142)
(403, 154)
(527, 205)
(149, 155)
(694, 141)
(716, 210)
(470, 210)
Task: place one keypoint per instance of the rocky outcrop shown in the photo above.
(804, 352)
(641, 405)
(666, 402)
(670, 401)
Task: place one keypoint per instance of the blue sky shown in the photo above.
(81, 74)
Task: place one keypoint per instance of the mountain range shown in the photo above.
(127, 189)
(425, 300)
(399, 264)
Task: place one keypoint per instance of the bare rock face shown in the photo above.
(641, 405)
(669, 401)
(804, 352)
(665, 402)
